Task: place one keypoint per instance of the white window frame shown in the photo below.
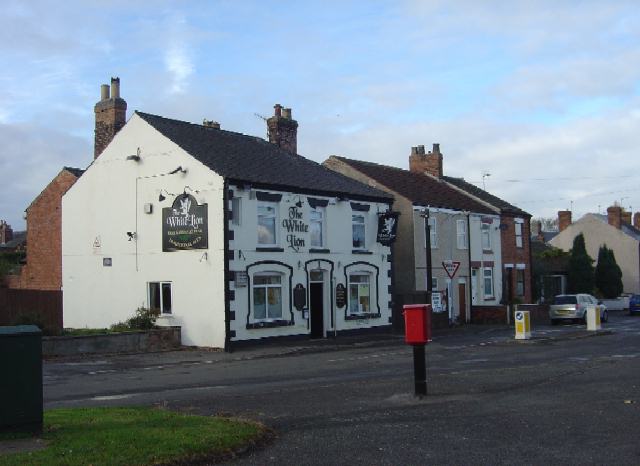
(518, 229)
(364, 228)
(461, 234)
(486, 276)
(485, 235)
(273, 205)
(322, 211)
(163, 308)
(433, 233)
(359, 311)
(266, 287)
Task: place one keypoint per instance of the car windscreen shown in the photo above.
(564, 300)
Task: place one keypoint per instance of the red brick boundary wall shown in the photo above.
(538, 313)
(38, 307)
(488, 314)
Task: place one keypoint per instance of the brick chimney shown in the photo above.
(614, 216)
(430, 163)
(283, 130)
(6, 233)
(564, 219)
(626, 217)
(111, 115)
(636, 220)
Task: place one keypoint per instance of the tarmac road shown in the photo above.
(567, 397)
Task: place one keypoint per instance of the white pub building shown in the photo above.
(233, 238)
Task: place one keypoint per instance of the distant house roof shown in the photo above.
(546, 236)
(19, 238)
(420, 189)
(495, 201)
(75, 171)
(244, 158)
(625, 227)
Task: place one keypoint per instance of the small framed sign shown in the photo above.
(299, 297)
(341, 295)
(106, 262)
(241, 279)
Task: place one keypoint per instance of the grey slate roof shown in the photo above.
(625, 227)
(19, 238)
(495, 201)
(418, 188)
(243, 158)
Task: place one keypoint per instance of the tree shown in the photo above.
(580, 273)
(608, 276)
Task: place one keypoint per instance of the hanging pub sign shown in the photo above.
(184, 224)
(341, 295)
(387, 228)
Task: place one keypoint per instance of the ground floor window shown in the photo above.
(488, 282)
(160, 297)
(359, 293)
(520, 282)
(267, 296)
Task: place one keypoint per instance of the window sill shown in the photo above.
(360, 251)
(269, 324)
(487, 251)
(319, 251)
(364, 315)
(269, 249)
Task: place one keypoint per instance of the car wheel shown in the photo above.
(605, 316)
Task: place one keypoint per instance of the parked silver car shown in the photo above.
(574, 307)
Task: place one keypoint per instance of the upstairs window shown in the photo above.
(267, 296)
(461, 233)
(358, 231)
(160, 296)
(518, 235)
(433, 232)
(317, 227)
(267, 220)
(486, 236)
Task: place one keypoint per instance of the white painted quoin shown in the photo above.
(287, 247)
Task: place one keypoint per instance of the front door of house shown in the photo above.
(316, 305)
(462, 302)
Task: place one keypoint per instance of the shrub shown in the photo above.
(143, 319)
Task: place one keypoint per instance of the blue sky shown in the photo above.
(543, 95)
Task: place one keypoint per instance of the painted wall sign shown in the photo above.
(241, 279)
(295, 225)
(184, 225)
(387, 228)
(299, 297)
(436, 301)
(341, 295)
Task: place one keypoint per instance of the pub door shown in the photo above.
(316, 309)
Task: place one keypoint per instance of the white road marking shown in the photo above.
(112, 397)
(101, 372)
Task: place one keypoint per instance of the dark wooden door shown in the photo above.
(316, 309)
(462, 300)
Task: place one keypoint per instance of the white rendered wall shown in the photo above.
(107, 202)
(338, 240)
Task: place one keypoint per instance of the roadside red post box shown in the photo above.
(417, 323)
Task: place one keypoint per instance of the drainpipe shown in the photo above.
(469, 271)
(227, 274)
(427, 233)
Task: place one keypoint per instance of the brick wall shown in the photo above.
(488, 314)
(43, 270)
(515, 255)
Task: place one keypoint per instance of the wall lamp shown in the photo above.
(136, 157)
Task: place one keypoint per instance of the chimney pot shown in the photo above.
(115, 88)
(286, 113)
(614, 216)
(436, 148)
(278, 110)
(104, 92)
(564, 219)
(421, 149)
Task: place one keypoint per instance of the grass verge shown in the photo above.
(136, 436)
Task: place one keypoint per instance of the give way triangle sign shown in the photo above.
(451, 267)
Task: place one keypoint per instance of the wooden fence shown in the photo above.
(38, 307)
